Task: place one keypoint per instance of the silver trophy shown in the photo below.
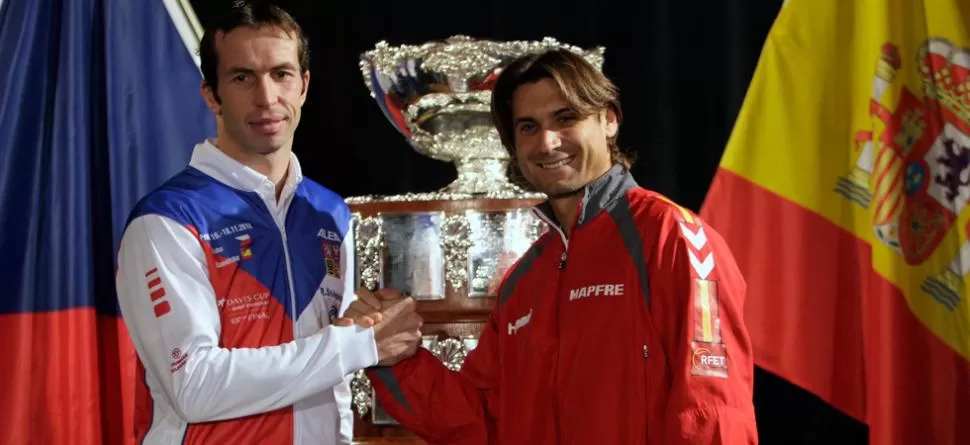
(448, 249)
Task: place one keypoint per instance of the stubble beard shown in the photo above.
(563, 189)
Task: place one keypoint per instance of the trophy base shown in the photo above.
(447, 254)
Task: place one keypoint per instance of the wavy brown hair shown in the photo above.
(586, 90)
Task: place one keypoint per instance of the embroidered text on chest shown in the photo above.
(596, 290)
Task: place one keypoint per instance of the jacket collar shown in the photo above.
(213, 162)
(598, 195)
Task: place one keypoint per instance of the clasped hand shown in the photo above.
(397, 325)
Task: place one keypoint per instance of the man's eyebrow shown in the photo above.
(558, 112)
(523, 119)
(284, 66)
(244, 70)
(563, 110)
(239, 69)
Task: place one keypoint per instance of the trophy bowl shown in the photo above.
(448, 249)
(438, 95)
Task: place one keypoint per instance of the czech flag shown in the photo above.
(99, 104)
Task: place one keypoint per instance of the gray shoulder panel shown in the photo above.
(524, 264)
(620, 211)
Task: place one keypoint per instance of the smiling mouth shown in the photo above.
(556, 164)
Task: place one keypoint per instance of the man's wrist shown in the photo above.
(358, 347)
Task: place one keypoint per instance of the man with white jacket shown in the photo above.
(231, 272)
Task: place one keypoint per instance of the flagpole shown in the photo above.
(188, 26)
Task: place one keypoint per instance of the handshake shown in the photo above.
(397, 326)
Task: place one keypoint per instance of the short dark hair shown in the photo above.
(254, 14)
(585, 89)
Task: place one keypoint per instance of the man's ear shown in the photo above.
(306, 87)
(210, 99)
(612, 125)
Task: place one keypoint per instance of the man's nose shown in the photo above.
(266, 94)
(550, 140)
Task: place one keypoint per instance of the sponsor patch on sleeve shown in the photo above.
(331, 257)
(708, 360)
(178, 359)
(708, 353)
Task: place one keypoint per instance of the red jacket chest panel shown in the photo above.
(573, 339)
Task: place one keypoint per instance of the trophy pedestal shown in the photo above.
(449, 255)
(476, 175)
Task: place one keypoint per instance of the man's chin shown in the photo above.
(564, 181)
(270, 149)
(267, 146)
(561, 190)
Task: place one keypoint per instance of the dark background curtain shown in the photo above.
(682, 68)
(99, 103)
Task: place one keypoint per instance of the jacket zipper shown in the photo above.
(559, 284)
(289, 277)
(562, 235)
(281, 225)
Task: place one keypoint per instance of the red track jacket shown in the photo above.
(629, 332)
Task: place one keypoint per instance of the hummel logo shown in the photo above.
(698, 240)
(703, 268)
(524, 320)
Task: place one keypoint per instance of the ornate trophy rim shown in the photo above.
(386, 57)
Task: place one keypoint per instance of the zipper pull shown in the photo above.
(562, 260)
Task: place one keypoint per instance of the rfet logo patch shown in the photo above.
(331, 257)
(709, 359)
(708, 354)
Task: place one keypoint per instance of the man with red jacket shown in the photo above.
(621, 325)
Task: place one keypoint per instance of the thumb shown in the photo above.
(367, 297)
(389, 294)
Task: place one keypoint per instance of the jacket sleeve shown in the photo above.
(170, 310)
(439, 405)
(698, 307)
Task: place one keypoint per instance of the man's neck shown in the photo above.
(275, 166)
(565, 208)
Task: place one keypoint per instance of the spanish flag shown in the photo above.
(844, 192)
